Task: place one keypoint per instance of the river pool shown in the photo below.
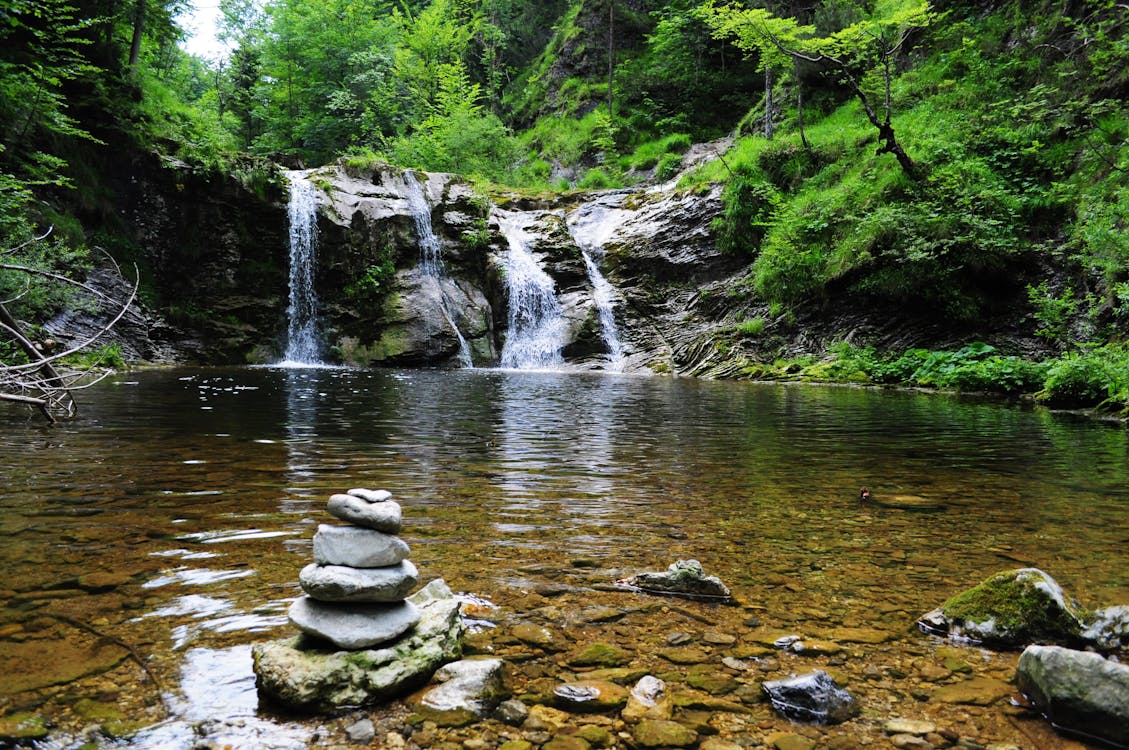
(167, 525)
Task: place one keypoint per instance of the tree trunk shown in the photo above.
(611, 58)
(138, 29)
(800, 115)
(768, 84)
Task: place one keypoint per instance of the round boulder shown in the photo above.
(1079, 691)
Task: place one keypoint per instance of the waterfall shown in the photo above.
(591, 226)
(430, 256)
(302, 341)
(536, 325)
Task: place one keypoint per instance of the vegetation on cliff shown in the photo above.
(958, 162)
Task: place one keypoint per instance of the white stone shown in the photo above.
(353, 626)
(371, 496)
(382, 516)
(340, 583)
(357, 548)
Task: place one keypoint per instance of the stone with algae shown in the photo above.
(299, 675)
(1010, 610)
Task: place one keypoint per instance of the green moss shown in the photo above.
(599, 655)
(1016, 606)
(22, 727)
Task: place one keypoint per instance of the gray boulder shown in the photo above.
(357, 548)
(813, 697)
(467, 689)
(339, 583)
(1010, 610)
(1079, 691)
(1108, 629)
(383, 516)
(298, 674)
(353, 626)
(685, 578)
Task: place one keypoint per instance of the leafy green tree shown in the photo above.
(861, 56)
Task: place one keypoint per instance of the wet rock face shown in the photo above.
(215, 252)
(650, 246)
(1079, 691)
(1010, 610)
(813, 697)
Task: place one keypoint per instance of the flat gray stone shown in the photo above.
(353, 626)
(339, 583)
(357, 548)
(298, 675)
(372, 496)
(382, 516)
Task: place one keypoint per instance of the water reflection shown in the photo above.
(183, 528)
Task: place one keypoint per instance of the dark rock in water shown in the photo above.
(684, 578)
(813, 697)
(298, 674)
(383, 516)
(1079, 691)
(340, 583)
(353, 626)
(1109, 629)
(356, 547)
(363, 732)
(512, 712)
(1010, 610)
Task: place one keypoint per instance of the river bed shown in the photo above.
(150, 542)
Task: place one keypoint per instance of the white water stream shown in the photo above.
(591, 226)
(430, 256)
(536, 325)
(301, 334)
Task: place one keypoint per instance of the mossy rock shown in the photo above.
(1010, 610)
(599, 655)
(22, 727)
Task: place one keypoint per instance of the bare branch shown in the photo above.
(79, 347)
(32, 241)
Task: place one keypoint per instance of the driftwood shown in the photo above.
(45, 382)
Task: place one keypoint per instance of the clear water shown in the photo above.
(195, 495)
(302, 313)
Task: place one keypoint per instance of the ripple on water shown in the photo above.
(220, 683)
(195, 577)
(232, 535)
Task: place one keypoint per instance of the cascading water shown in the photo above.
(302, 340)
(536, 325)
(430, 256)
(591, 226)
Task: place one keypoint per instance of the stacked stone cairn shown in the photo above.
(363, 639)
(357, 585)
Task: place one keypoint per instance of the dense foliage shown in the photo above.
(965, 161)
